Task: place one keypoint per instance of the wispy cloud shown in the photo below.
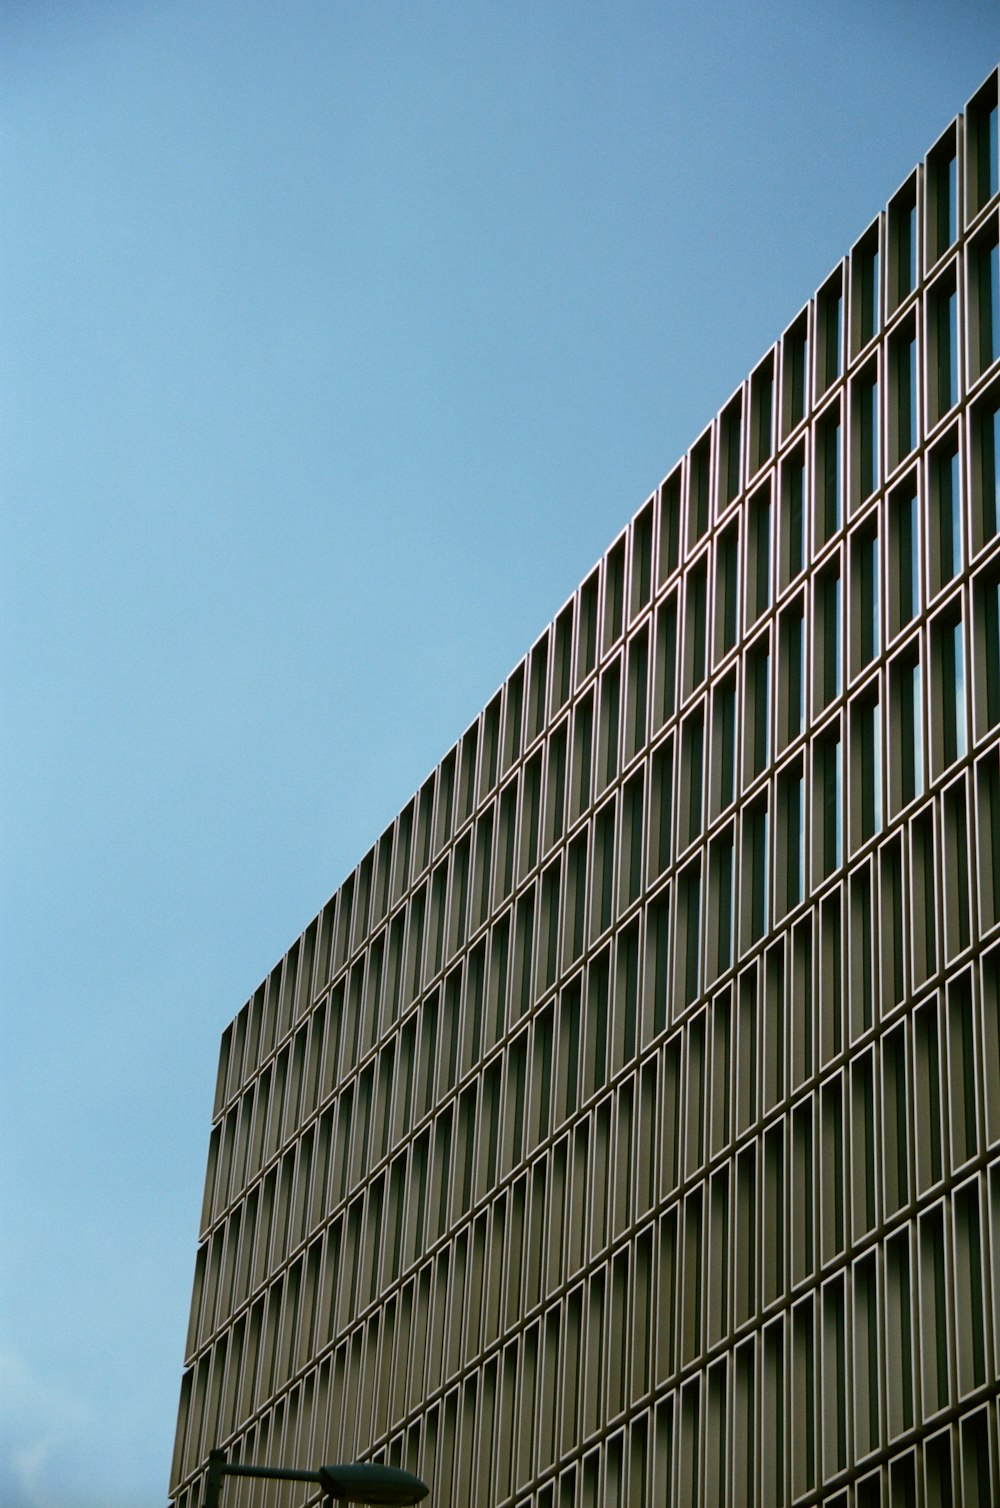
(38, 1422)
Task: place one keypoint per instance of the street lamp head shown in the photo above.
(364, 1483)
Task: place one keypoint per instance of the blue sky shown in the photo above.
(337, 341)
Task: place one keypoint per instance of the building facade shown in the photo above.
(626, 1128)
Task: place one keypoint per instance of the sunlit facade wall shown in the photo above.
(626, 1129)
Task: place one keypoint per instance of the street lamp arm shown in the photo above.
(275, 1473)
(360, 1482)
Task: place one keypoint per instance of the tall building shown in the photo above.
(626, 1129)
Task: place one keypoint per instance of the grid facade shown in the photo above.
(626, 1128)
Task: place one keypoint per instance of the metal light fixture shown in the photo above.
(360, 1482)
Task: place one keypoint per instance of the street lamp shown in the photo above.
(358, 1483)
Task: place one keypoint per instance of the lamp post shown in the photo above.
(360, 1482)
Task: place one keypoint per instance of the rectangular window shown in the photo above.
(538, 679)
(828, 780)
(695, 625)
(755, 847)
(891, 920)
(730, 451)
(670, 526)
(636, 728)
(721, 901)
(899, 1333)
(661, 808)
(865, 636)
(759, 582)
(757, 709)
(945, 553)
(792, 801)
(548, 956)
(895, 1120)
(610, 715)
(642, 559)
(865, 433)
(984, 291)
(795, 367)
(555, 791)
(531, 802)
(581, 792)
(803, 1423)
(942, 330)
(865, 289)
(948, 667)
(745, 1242)
(692, 775)
(828, 479)
(664, 691)
(864, 1197)
(723, 745)
(513, 718)
(903, 243)
(632, 838)
(792, 538)
(727, 576)
(563, 658)
(586, 628)
(614, 594)
(907, 729)
(904, 404)
(934, 1302)
(803, 1205)
(792, 672)
(986, 470)
(699, 484)
(832, 1181)
(942, 195)
(924, 909)
(761, 414)
(504, 873)
(970, 1327)
(986, 649)
(904, 555)
(489, 768)
(827, 637)
(957, 874)
(829, 339)
(576, 898)
(689, 932)
(602, 894)
(981, 147)
(867, 752)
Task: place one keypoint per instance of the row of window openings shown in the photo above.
(708, 777)
(623, 729)
(919, 1305)
(484, 996)
(944, 387)
(903, 240)
(750, 1429)
(731, 1064)
(518, 720)
(521, 828)
(426, 824)
(508, 1254)
(730, 898)
(524, 956)
(944, 547)
(829, 493)
(650, 700)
